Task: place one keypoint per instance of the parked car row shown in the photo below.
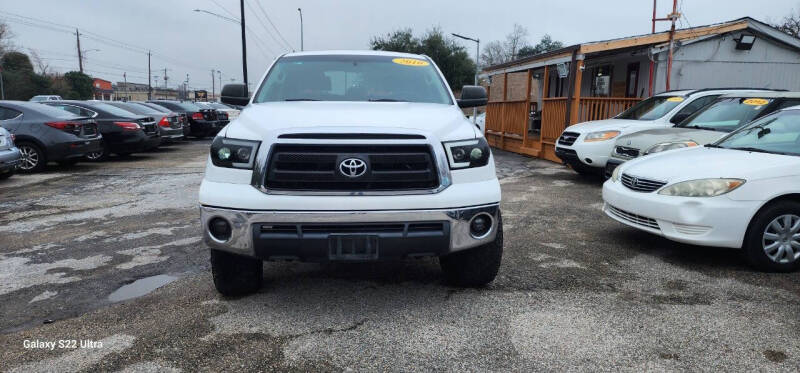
(35, 133)
(725, 173)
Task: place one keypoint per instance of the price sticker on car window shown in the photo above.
(410, 62)
(675, 99)
(755, 101)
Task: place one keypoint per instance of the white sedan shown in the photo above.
(740, 192)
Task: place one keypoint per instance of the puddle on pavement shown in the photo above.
(140, 287)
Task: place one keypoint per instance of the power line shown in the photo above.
(273, 25)
(264, 25)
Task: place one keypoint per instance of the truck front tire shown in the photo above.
(235, 274)
(477, 266)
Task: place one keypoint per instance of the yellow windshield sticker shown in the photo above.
(755, 101)
(675, 99)
(410, 62)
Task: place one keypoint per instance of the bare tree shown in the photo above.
(5, 38)
(790, 24)
(517, 39)
(497, 52)
(41, 66)
(493, 53)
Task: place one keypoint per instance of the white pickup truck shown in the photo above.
(351, 156)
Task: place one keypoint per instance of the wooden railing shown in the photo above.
(510, 117)
(554, 115)
(598, 108)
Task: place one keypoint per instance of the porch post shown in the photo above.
(525, 128)
(576, 96)
(545, 94)
(502, 112)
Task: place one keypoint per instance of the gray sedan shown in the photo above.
(10, 156)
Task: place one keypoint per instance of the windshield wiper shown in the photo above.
(714, 146)
(703, 128)
(301, 99)
(385, 100)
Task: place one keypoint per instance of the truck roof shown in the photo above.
(353, 53)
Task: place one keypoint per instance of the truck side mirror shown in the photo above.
(472, 96)
(235, 94)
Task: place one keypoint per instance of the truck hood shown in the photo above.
(702, 163)
(264, 121)
(643, 140)
(611, 125)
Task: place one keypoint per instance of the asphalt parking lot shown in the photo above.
(576, 291)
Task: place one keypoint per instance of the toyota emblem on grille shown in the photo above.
(352, 167)
(635, 181)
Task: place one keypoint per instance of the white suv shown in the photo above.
(351, 156)
(587, 146)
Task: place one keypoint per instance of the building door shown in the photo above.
(632, 80)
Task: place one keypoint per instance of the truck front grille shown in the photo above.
(387, 167)
(568, 138)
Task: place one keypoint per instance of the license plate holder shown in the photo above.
(353, 247)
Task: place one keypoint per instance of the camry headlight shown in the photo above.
(664, 146)
(600, 136)
(467, 153)
(234, 153)
(615, 174)
(702, 187)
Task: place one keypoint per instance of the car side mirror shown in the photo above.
(235, 94)
(472, 96)
(680, 117)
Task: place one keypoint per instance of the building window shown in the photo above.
(601, 81)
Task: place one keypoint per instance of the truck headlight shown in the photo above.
(467, 153)
(702, 187)
(234, 153)
(664, 146)
(600, 136)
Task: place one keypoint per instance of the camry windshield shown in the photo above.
(353, 78)
(778, 133)
(727, 114)
(652, 108)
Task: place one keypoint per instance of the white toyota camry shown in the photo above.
(741, 192)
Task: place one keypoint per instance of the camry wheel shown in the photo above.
(32, 158)
(781, 240)
(773, 239)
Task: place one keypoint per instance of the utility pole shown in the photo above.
(244, 46)
(149, 79)
(165, 78)
(301, 28)
(80, 58)
(2, 90)
(212, 84)
(674, 16)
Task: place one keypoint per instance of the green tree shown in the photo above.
(80, 85)
(545, 45)
(20, 82)
(452, 58)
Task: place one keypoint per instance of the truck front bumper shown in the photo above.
(318, 236)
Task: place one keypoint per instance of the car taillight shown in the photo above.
(164, 122)
(197, 116)
(128, 126)
(65, 126)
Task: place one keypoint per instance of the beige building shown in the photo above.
(127, 91)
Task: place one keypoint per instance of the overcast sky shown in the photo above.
(188, 42)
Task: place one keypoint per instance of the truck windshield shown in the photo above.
(653, 108)
(727, 114)
(353, 78)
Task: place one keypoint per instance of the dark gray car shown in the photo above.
(169, 124)
(46, 134)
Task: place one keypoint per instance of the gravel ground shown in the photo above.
(576, 290)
